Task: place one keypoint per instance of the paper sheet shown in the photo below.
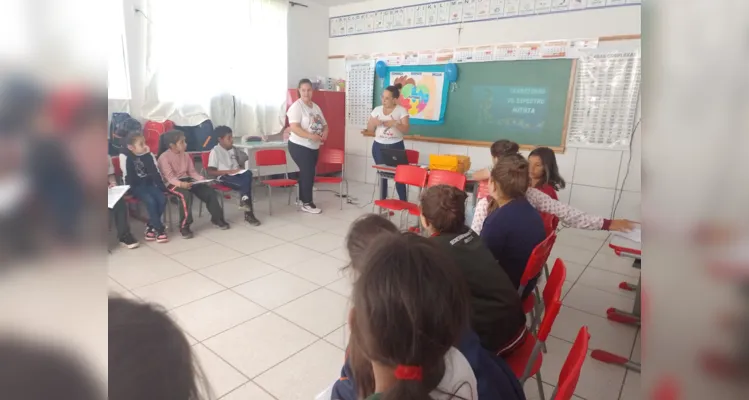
(115, 194)
(203, 181)
(239, 173)
(634, 235)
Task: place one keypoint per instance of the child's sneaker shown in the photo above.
(161, 236)
(249, 216)
(245, 204)
(223, 225)
(129, 241)
(186, 232)
(150, 234)
(311, 208)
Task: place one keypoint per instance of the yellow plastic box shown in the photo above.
(449, 162)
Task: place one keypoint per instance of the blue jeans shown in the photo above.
(241, 182)
(154, 200)
(378, 159)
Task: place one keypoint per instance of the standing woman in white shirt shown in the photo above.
(308, 131)
(389, 122)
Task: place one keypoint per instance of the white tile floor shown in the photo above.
(265, 308)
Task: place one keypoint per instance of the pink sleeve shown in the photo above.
(167, 171)
(567, 214)
(191, 169)
(479, 215)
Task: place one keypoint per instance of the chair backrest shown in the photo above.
(570, 373)
(536, 261)
(483, 189)
(440, 177)
(117, 166)
(412, 156)
(332, 156)
(270, 157)
(552, 298)
(411, 175)
(550, 222)
(204, 156)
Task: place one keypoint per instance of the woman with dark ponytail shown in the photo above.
(410, 307)
(389, 122)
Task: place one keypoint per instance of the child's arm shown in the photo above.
(480, 175)
(112, 180)
(572, 216)
(158, 178)
(168, 172)
(242, 158)
(191, 169)
(479, 215)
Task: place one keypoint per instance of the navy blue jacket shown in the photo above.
(494, 377)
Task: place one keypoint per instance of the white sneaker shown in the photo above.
(311, 208)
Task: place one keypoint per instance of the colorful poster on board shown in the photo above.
(424, 92)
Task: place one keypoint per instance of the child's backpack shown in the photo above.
(199, 137)
(153, 130)
(118, 121)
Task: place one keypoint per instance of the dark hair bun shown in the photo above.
(399, 86)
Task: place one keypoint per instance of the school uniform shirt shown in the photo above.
(511, 233)
(224, 160)
(496, 311)
(386, 135)
(310, 119)
(174, 166)
(459, 382)
(567, 214)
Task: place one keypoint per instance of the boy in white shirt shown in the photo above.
(225, 163)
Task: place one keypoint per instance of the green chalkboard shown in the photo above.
(523, 101)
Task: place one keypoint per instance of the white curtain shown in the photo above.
(218, 59)
(118, 79)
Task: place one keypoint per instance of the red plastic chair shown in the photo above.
(225, 190)
(412, 156)
(334, 157)
(271, 158)
(440, 177)
(570, 373)
(536, 261)
(526, 360)
(550, 226)
(408, 175)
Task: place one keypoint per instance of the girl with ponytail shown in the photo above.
(410, 307)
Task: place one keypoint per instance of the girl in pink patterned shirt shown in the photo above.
(567, 214)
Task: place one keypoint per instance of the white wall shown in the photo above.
(308, 42)
(594, 176)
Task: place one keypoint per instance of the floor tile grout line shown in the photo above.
(265, 312)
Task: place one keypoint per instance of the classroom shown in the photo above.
(258, 148)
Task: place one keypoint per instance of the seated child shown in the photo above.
(409, 309)
(515, 228)
(119, 213)
(224, 163)
(149, 356)
(496, 311)
(571, 216)
(544, 172)
(179, 172)
(494, 378)
(141, 172)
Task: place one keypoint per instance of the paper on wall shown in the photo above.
(506, 52)
(469, 10)
(483, 53)
(497, 8)
(431, 14)
(512, 8)
(543, 6)
(426, 57)
(527, 7)
(456, 11)
(444, 56)
(554, 49)
(443, 16)
(529, 51)
(463, 54)
(410, 58)
(482, 10)
(562, 5)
